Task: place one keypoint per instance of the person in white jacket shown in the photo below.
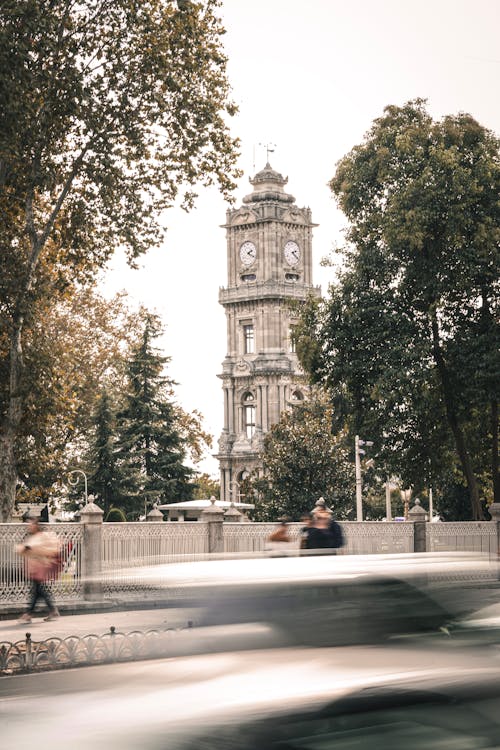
(41, 550)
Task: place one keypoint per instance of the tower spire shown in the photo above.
(269, 150)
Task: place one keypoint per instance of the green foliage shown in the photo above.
(406, 340)
(110, 113)
(74, 347)
(150, 448)
(205, 487)
(115, 515)
(302, 462)
(108, 108)
(105, 478)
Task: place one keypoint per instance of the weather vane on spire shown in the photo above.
(269, 149)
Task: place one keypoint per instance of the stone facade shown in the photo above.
(269, 265)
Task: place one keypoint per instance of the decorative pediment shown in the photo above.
(242, 367)
(295, 215)
(243, 216)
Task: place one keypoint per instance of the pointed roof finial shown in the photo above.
(269, 150)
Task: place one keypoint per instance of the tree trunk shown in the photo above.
(8, 477)
(494, 451)
(463, 454)
(10, 426)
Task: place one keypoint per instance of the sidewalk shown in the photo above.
(98, 623)
(13, 611)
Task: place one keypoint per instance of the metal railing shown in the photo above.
(29, 655)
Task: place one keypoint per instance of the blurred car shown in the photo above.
(344, 698)
(479, 628)
(314, 601)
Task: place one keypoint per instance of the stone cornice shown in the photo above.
(267, 290)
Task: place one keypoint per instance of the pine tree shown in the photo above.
(151, 450)
(104, 481)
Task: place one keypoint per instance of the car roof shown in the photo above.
(264, 569)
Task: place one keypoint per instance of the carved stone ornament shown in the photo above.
(295, 216)
(225, 442)
(242, 367)
(243, 216)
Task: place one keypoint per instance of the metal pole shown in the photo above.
(359, 499)
(388, 509)
(431, 509)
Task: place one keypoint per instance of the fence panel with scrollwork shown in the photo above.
(374, 537)
(462, 536)
(240, 538)
(133, 544)
(14, 582)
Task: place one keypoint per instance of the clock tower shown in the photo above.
(269, 265)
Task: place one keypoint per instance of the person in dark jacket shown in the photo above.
(324, 532)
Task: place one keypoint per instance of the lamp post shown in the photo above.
(389, 486)
(358, 452)
(405, 497)
(74, 482)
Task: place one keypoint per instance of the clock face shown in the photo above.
(248, 253)
(292, 253)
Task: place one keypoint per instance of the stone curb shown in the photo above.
(9, 611)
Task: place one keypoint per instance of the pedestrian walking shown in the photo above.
(279, 540)
(324, 533)
(306, 521)
(41, 549)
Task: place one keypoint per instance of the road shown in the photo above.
(458, 599)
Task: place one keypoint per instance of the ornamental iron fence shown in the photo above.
(92, 551)
(14, 583)
(29, 655)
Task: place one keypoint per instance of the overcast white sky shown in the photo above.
(309, 76)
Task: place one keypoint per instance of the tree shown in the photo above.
(303, 461)
(108, 108)
(205, 487)
(192, 433)
(73, 347)
(104, 480)
(407, 337)
(151, 450)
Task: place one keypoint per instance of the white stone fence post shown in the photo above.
(213, 516)
(494, 511)
(91, 518)
(417, 516)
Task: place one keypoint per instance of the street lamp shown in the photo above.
(358, 452)
(73, 482)
(405, 497)
(390, 485)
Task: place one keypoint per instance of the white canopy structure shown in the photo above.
(191, 510)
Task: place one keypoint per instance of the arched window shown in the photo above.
(297, 396)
